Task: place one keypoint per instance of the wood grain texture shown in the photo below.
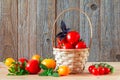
(27, 28)
(45, 18)
(109, 30)
(8, 27)
(71, 18)
(23, 29)
(87, 6)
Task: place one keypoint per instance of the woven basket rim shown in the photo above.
(58, 49)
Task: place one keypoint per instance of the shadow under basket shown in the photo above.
(75, 59)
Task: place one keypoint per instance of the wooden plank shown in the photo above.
(92, 8)
(110, 13)
(27, 28)
(45, 18)
(23, 29)
(1, 32)
(82, 76)
(8, 27)
(71, 18)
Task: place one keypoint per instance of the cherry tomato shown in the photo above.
(90, 68)
(33, 67)
(60, 43)
(49, 63)
(95, 71)
(22, 60)
(107, 70)
(63, 70)
(72, 37)
(67, 46)
(9, 61)
(36, 57)
(101, 70)
(80, 45)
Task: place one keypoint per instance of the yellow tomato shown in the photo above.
(63, 70)
(9, 61)
(36, 57)
(49, 63)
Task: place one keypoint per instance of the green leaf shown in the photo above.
(55, 74)
(43, 67)
(41, 59)
(44, 73)
(96, 65)
(112, 70)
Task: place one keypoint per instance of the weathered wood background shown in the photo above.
(26, 26)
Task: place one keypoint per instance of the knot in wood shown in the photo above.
(93, 6)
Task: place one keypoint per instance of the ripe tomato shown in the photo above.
(49, 63)
(60, 43)
(8, 62)
(63, 70)
(67, 46)
(33, 67)
(22, 60)
(101, 70)
(95, 71)
(90, 68)
(72, 37)
(36, 57)
(80, 45)
(107, 70)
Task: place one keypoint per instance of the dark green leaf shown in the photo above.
(43, 67)
(44, 73)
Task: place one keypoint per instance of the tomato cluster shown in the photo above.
(69, 39)
(34, 66)
(101, 69)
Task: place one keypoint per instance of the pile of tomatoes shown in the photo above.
(71, 41)
(101, 69)
(68, 39)
(36, 65)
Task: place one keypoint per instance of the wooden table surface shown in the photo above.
(83, 76)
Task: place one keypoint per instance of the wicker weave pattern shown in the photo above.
(74, 59)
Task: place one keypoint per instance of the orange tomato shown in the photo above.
(63, 70)
(49, 63)
(36, 57)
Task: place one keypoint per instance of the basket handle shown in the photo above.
(70, 9)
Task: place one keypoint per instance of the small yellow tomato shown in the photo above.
(36, 57)
(8, 62)
(63, 70)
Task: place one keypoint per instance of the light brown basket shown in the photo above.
(75, 59)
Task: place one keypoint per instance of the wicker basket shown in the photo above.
(75, 59)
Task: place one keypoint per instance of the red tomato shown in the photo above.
(72, 37)
(67, 46)
(107, 70)
(101, 70)
(90, 68)
(80, 45)
(33, 67)
(22, 60)
(61, 42)
(95, 71)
